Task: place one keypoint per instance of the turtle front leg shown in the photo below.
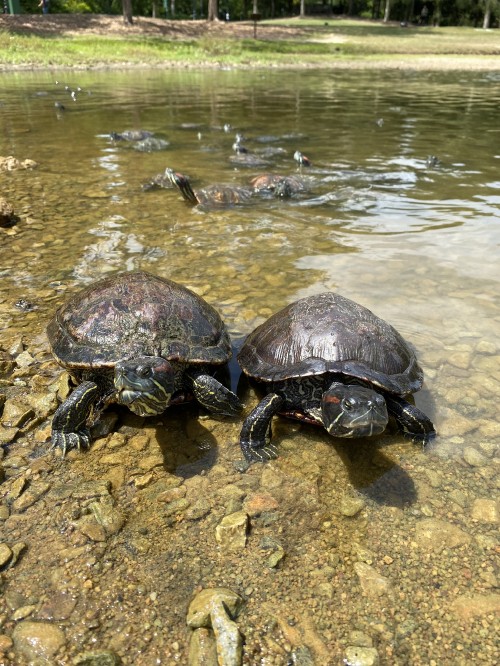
(412, 422)
(214, 396)
(255, 444)
(69, 425)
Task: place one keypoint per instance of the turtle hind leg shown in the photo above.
(412, 422)
(214, 396)
(69, 424)
(255, 435)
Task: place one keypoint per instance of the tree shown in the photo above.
(213, 10)
(387, 10)
(127, 12)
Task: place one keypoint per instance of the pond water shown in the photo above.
(400, 213)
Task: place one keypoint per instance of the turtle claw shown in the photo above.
(262, 454)
(70, 440)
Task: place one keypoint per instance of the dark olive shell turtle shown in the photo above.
(213, 195)
(327, 360)
(141, 341)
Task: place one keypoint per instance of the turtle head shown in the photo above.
(145, 384)
(353, 411)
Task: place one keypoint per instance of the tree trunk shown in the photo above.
(302, 8)
(127, 12)
(487, 16)
(212, 11)
(387, 10)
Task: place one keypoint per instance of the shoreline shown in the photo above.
(443, 51)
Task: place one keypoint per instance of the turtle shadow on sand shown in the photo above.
(375, 475)
(186, 445)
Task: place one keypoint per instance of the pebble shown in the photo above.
(258, 503)
(468, 607)
(372, 582)
(214, 607)
(38, 641)
(485, 511)
(436, 535)
(5, 555)
(350, 506)
(361, 656)
(474, 458)
(231, 532)
(97, 658)
(202, 648)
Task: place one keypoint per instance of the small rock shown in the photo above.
(97, 658)
(38, 641)
(106, 515)
(436, 535)
(5, 555)
(474, 458)
(210, 608)
(361, 656)
(231, 532)
(468, 607)
(372, 583)
(360, 639)
(258, 503)
(202, 648)
(350, 506)
(485, 510)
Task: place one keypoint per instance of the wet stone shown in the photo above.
(28, 498)
(202, 648)
(215, 608)
(5, 555)
(97, 658)
(361, 656)
(350, 506)
(485, 511)
(231, 532)
(372, 583)
(16, 414)
(474, 458)
(38, 641)
(436, 535)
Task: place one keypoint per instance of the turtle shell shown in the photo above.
(330, 333)
(137, 314)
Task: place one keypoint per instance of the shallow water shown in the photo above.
(415, 241)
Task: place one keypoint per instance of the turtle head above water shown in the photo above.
(145, 384)
(353, 411)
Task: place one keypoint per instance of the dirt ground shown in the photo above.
(98, 24)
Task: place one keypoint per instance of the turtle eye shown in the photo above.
(347, 404)
(143, 371)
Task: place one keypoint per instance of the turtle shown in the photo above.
(278, 185)
(138, 340)
(327, 360)
(131, 135)
(213, 195)
(301, 159)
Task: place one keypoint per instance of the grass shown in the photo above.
(321, 43)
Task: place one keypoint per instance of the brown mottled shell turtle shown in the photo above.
(138, 340)
(213, 195)
(328, 360)
(279, 185)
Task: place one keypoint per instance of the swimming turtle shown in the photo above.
(131, 135)
(213, 195)
(280, 186)
(327, 360)
(138, 340)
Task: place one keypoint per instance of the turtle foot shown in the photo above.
(260, 454)
(70, 440)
